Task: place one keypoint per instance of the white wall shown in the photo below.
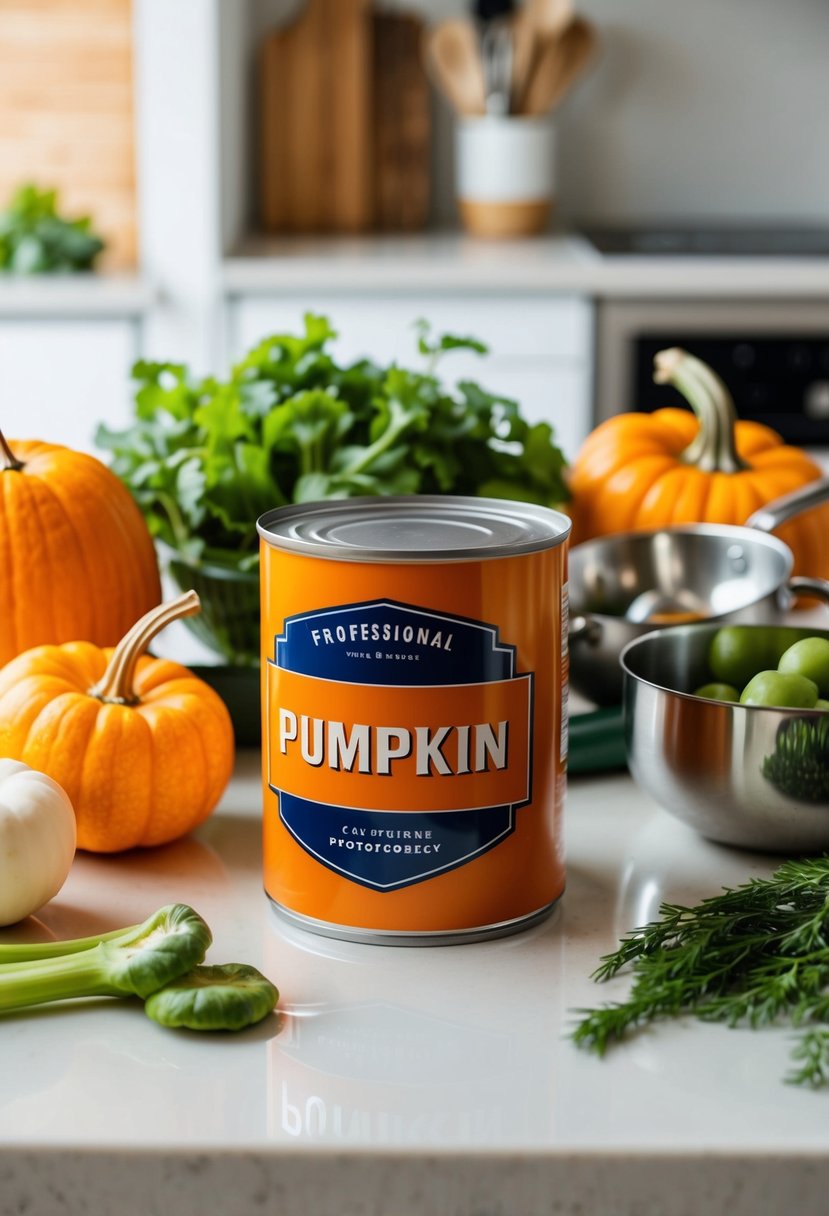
(715, 108)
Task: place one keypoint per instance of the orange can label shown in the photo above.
(413, 761)
(416, 768)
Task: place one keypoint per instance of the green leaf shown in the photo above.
(257, 397)
(225, 997)
(190, 487)
(311, 487)
(542, 459)
(500, 416)
(29, 255)
(36, 239)
(446, 342)
(204, 458)
(442, 466)
(222, 419)
(310, 425)
(499, 487)
(164, 388)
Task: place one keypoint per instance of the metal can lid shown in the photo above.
(417, 528)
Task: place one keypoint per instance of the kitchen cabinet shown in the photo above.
(67, 343)
(400, 1080)
(540, 347)
(60, 377)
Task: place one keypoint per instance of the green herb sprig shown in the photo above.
(756, 955)
(204, 457)
(36, 239)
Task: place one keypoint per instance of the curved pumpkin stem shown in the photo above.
(8, 461)
(713, 449)
(116, 686)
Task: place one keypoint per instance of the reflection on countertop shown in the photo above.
(403, 1062)
(419, 1056)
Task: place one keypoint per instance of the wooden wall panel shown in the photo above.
(66, 110)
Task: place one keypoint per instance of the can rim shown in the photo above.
(554, 528)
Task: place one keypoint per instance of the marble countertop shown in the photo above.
(402, 1080)
(96, 295)
(559, 263)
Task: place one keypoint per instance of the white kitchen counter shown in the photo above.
(558, 264)
(403, 1081)
(75, 296)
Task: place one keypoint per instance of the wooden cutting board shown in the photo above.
(317, 120)
(401, 123)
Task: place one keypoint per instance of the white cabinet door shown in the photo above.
(59, 378)
(540, 348)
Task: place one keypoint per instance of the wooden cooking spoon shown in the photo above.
(559, 61)
(548, 17)
(453, 59)
(524, 46)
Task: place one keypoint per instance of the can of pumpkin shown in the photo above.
(414, 682)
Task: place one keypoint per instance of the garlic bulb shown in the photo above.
(37, 840)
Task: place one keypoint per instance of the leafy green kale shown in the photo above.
(204, 458)
(35, 239)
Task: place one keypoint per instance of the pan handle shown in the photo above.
(816, 587)
(588, 629)
(779, 510)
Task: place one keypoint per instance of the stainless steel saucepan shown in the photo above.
(748, 775)
(626, 585)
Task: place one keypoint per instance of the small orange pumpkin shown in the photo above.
(76, 556)
(143, 748)
(641, 471)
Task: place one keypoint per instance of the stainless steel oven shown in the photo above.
(774, 356)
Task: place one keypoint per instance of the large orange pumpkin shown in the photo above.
(76, 558)
(143, 748)
(641, 471)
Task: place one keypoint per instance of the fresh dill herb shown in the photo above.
(755, 955)
(810, 1058)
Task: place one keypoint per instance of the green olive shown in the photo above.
(809, 657)
(738, 652)
(718, 692)
(819, 704)
(781, 689)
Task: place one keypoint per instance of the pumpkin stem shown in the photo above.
(116, 686)
(713, 449)
(8, 460)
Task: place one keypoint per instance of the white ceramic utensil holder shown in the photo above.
(505, 174)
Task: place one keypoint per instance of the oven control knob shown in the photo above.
(800, 358)
(743, 356)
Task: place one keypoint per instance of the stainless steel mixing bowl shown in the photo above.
(740, 774)
(715, 572)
